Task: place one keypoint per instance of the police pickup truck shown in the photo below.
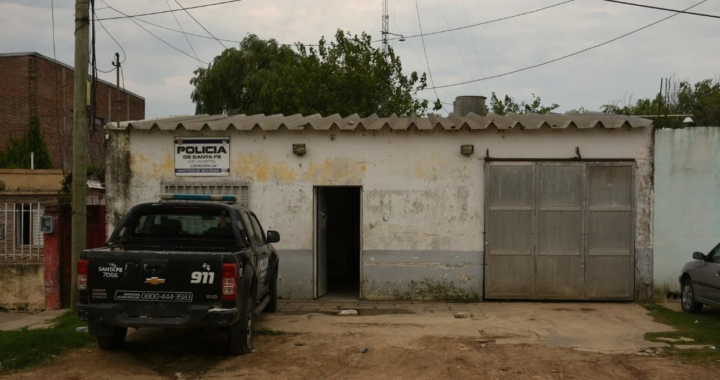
(187, 261)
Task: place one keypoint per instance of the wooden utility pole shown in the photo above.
(80, 141)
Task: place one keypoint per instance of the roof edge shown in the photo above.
(43, 56)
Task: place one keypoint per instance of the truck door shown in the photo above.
(261, 251)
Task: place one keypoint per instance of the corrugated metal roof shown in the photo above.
(373, 122)
(94, 184)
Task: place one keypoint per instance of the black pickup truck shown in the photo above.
(180, 263)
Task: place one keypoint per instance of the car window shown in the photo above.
(258, 228)
(184, 222)
(251, 230)
(715, 254)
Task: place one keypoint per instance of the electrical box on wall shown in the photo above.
(47, 224)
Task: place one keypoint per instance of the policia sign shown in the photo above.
(202, 156)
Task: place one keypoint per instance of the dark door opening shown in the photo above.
(338, 241)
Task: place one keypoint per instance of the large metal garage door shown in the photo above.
(559, 230)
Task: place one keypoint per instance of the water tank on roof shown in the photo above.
(463, 105)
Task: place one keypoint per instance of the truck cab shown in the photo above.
(186, 261)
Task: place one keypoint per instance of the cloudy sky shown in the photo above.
(685, 45)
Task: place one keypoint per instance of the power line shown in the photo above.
(663, 9)
(450, 104)
(201, 25)
(153, 34)
(321, 19)
(184, 34)
(456, 46)
(417, 9)
(484, 22)
(161, 12)
(380, 40)
(477, 55)
(175, 30)
(113, 38)
(417, 56)
(568, 55)
(288, 21)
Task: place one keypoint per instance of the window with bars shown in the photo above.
(27, 224)
(239, 189)
(20, 233)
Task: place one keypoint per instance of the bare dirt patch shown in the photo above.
(500, 341)
(340, 356)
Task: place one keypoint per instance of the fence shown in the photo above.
(20, 235)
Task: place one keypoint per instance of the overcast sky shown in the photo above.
(686, 45)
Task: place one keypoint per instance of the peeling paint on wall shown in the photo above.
(22, 287)
(419, 193)
(119, 175)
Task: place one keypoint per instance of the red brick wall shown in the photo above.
(35, 86)
(14, 98)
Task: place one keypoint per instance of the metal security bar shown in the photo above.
(20, 231)
(239, 189)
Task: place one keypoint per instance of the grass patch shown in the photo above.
(706, 331)
(21, 349)
(269, 332)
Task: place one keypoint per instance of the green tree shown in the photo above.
(345, 76)
(503, 107)
(702, 100)
(17, 155)
(94, 172)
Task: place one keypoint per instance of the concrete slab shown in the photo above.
(16, 321)
(691, 346)
(6, 317)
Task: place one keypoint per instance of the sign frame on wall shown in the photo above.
(202, 156)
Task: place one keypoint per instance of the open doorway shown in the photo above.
(338, 241)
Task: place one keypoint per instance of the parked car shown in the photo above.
(182, 263)
(700, 281)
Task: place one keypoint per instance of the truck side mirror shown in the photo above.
(699, 256)
(273, 236)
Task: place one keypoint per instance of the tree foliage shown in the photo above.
(94, 172)
(503, 107)
(345, 76)
(17, 155)
(702, 100)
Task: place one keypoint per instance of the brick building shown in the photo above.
(33, 85)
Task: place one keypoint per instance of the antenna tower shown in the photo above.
(385, 24)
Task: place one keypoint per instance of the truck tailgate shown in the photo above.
(146, 276)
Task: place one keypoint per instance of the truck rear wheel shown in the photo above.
(114, 341)
(242, 333)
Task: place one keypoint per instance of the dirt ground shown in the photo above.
(403, 341)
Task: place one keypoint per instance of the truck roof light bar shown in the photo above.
(199, 197)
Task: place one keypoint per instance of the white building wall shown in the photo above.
(422, 200)
(687, 208)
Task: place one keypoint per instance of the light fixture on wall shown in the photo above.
(299, 149)
(467, 149)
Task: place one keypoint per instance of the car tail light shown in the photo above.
(82, 269)
(229, 282)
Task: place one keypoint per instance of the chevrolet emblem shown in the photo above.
(154, 281)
